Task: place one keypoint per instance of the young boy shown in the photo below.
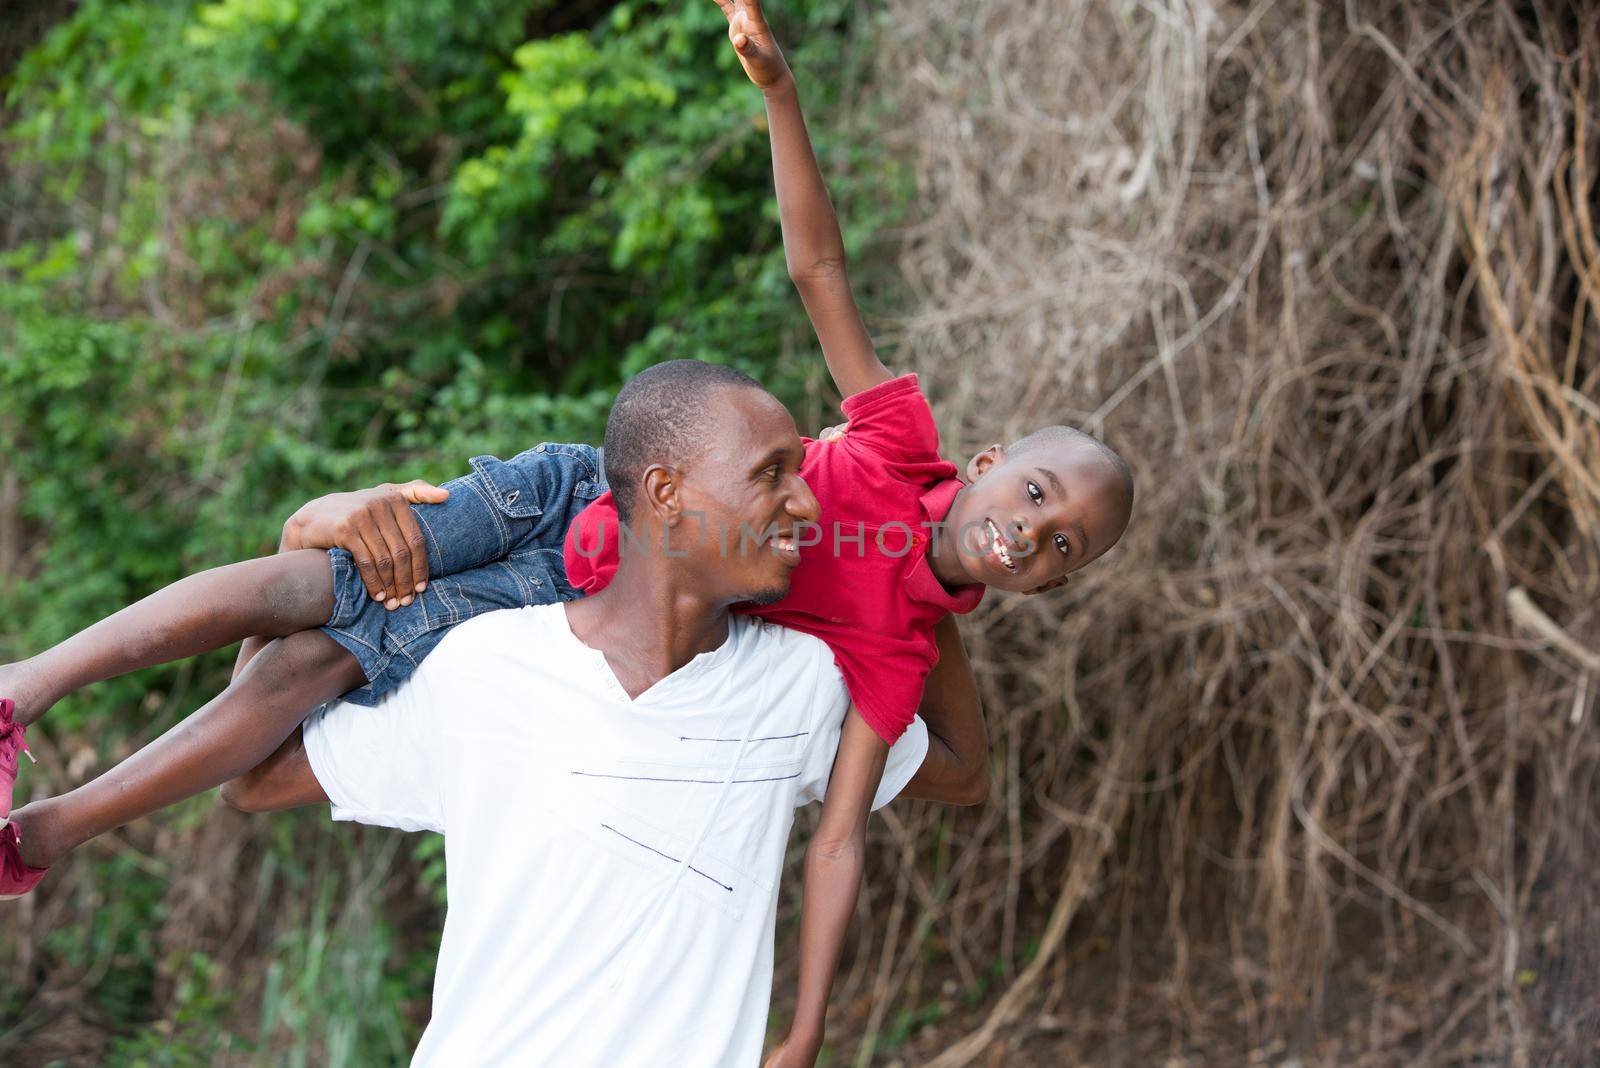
(904, 543)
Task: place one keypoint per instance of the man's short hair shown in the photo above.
(661, 416)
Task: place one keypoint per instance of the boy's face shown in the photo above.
(1025, 523)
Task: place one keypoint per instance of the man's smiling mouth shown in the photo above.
(786, 546)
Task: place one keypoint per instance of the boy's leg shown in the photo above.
(222, 741)
(515, 513)
(272, 596)
(282, 781)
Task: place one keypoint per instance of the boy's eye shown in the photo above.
(1063, 544)
(774, 471)
(1035, 492)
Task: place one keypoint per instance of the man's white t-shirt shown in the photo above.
(612, 865)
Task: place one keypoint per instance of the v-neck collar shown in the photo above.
(699, 664)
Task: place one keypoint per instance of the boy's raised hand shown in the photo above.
(752, 39)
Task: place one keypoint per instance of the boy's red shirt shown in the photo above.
(866, 587)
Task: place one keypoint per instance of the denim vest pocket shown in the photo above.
(583, 471)
(510, 489)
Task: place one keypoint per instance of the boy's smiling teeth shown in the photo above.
(997, 545)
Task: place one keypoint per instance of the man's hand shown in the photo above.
(376, 527)
(752, 39)
(834, 433)
(796, 1051)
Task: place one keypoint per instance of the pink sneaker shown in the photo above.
(11, 744)
(16, 878)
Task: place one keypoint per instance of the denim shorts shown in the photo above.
(496, 543)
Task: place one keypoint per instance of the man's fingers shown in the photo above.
(399, 581)
(418, 547)
(410, 550)
(364, 547)
(418, 492)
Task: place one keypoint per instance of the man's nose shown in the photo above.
(803, 503)
(1022, 530)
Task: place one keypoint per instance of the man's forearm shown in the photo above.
(956, 769)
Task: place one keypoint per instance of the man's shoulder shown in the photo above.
(774, 639)
(490, 635)
(800, 662)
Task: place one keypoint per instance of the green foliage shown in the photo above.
(270, 248)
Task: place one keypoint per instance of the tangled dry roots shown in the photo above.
(1306, 768)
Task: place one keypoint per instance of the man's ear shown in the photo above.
(986, 459)
(661, 484)
(1053, 584)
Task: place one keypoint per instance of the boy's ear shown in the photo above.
(1053, 584)
(984, 460)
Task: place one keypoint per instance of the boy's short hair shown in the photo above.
(660, 416)
(1048, 436)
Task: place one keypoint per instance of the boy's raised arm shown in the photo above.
(811, 239)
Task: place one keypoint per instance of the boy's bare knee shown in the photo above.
(300, 588)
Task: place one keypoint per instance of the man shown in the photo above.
(616, 776)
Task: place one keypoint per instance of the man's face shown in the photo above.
(744, 500)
